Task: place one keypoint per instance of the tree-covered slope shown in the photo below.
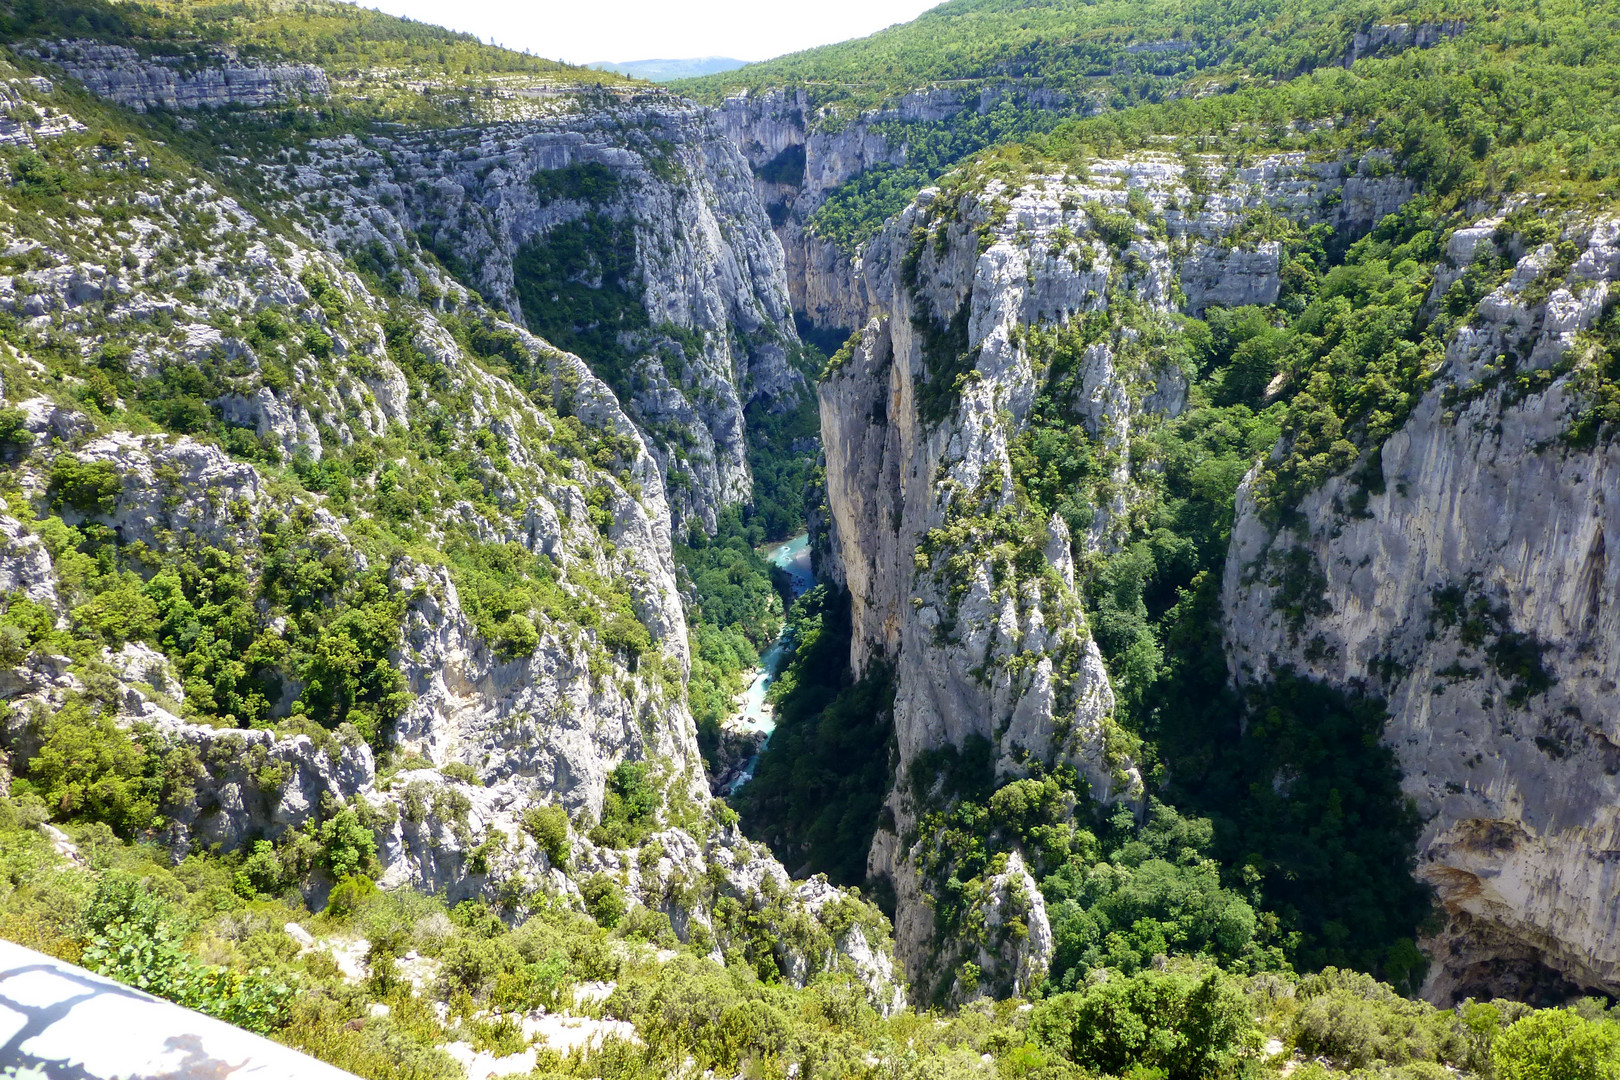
(346, 40)
(1519, 99)
(1120, 50)
(982, 74)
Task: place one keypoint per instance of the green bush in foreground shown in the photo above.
(184, 931)
(129, 937)
(1183, 1026)
(1558, 1044)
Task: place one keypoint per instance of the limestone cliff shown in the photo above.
(799, 157)
(141, 82)
(682, 261)
(416, 561)
(633, 204)
(978, 606)
(1474, 592)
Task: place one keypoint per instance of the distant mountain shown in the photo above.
(669, 70)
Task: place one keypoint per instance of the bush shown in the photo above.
(629, 806)
(14, 433)
(25, 627)
(1356, 1020)
(129, 937)
(517, 637)
(261, 872)
(120, 613)
(378, 1048)
(88, 768)
(90, 487)
(349, 894)
(549, 827)
(1557, 1044)
(1187, 1026)
(347, 846)
(604, 899)
(347, 673)
(472, 965)
(460, 770)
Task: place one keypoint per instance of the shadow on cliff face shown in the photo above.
(829, 339)
(1474, 959)
(1307, 807)
(820, 784)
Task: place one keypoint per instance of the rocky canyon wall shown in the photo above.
(704, 317)
(397, 489)
(1473, 591)
(918, 420)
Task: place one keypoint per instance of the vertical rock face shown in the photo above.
(1387, 39)
(794, 168)
(1474, 591)
(918, 421)
(171, 82)
(797, 164)
(896, 469)
(704, 321)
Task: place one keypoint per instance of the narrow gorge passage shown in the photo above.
(755, 716)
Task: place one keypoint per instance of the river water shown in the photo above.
(753, 711)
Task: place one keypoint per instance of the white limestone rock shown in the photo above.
(1482, 500)
(705, 259)
(122, 75)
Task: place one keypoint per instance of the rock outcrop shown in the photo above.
(975, 603)
(142, 83)
(705, 326)
(1386, 39)
(798, 160)
(1474, 592)
(27, 115)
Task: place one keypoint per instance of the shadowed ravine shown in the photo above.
(754, 711)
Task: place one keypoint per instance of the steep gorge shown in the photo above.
(1210, 517)
(979, 607)
(1415, 582)
(444, 545)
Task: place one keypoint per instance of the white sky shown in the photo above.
(584, 31)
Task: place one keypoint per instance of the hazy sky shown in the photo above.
(582, 31)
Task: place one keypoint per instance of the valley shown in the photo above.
(1056, 541)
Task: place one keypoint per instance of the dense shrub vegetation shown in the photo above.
(1124, 53)
(192, 932)
(855, 210)
(579, 290)
(343, 39)
(818, 788)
